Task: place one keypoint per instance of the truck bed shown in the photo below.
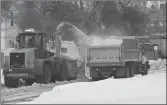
(104, 56)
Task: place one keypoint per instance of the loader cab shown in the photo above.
(31, 40)
(36, 40)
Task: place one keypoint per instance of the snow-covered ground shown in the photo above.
(149, 89)
(2, 78)
(157, 77)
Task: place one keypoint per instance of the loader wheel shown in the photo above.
(29, 81)
(10, 82)
(46, 77)
(47, 74)
(132, 70)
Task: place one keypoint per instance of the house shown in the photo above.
(8, 35)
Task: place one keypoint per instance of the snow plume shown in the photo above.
(98, 41)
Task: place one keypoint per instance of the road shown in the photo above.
(27, 93)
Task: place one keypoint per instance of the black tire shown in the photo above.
(29, 81)
(64, 72)
(115, 75)
(46, 77)
(127, 71)
(54, 78)
(132, 69)
(47, 74)
(145, 69)
(11, 82)
(95, 79)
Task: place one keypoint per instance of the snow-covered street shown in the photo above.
(149, 89)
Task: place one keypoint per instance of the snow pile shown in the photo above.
(36, 86)
(97, 41)
(11, 91)
(158, 65)
(149, 89)
(2, 78)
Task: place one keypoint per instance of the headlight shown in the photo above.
(22, 65)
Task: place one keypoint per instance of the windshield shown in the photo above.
(28, 41)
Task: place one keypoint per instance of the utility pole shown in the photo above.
(5, 29)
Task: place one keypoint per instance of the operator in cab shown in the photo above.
(31, 42)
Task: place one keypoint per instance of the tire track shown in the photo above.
(31, 92)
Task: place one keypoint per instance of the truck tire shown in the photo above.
(29, 81)
(127, 71)
(96, 78)
(54, 78)
(132, 68)
(11, 82)
(145, 69)
(46, 77)
(64, 72)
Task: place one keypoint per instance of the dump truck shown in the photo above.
(39, 58)
(120, 61)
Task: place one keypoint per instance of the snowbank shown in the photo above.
(2, 79)
(149, 89)
(158, 65)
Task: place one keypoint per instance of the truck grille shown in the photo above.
(17, 60)
(105, 71)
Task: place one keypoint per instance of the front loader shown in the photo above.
(32, 61)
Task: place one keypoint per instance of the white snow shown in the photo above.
(149, 89)
(2, 79)
(158, 64)
(98, 41)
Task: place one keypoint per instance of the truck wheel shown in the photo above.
(95, 79)
(10, 82)
(64, 73)
(127, 71)
(29, 81)
(145, 69)
(132, 69)
(53, 78)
